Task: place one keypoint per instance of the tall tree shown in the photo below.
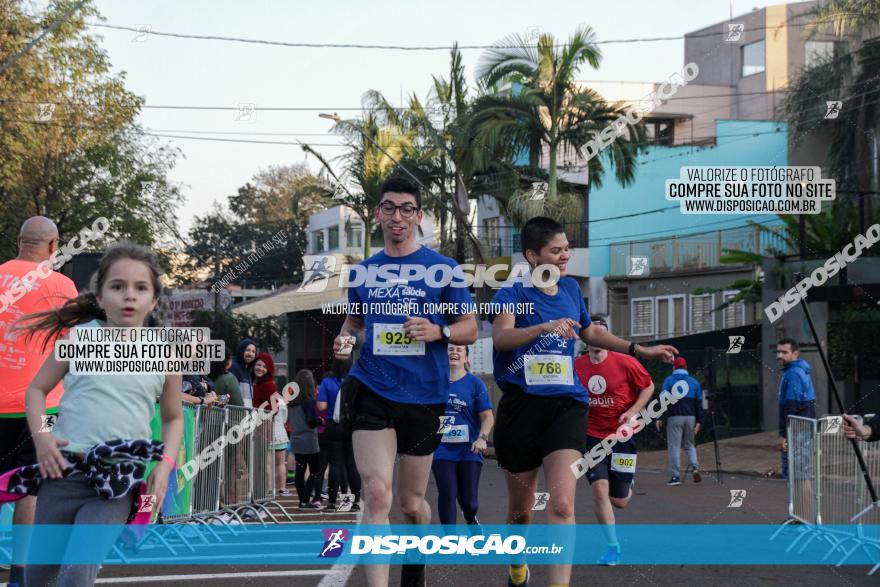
(444, 153)
(69, 145)
(533, 104)
(261, 254)
(280, 192)
(851, 75)
(372, 155)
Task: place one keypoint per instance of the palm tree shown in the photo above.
(546, 108)
(444, 153)
(374, 151)
(853, 77)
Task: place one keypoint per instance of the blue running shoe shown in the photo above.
(611, 558)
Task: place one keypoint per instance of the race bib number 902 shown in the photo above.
(548, 370)
(623, 462)
(390, 339)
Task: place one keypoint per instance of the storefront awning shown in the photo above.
(321, 286)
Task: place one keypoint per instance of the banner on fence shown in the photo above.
(178, 497)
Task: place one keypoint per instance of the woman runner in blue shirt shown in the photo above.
(459, 458)
(542, 415)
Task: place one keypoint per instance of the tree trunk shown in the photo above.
(461, 216)
(551, 192)
(443, 238)
(368, 236)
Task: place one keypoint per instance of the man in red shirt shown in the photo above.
(619, 387)
(26, 287)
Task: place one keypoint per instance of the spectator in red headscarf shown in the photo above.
(264, 380)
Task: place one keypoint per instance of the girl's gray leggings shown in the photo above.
(72, 501)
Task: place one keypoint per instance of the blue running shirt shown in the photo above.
(467, 398)
(390, 364)
(546, 365)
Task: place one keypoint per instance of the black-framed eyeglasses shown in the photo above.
(406, 210)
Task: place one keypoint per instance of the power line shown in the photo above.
(236, 108)
(141, 31)
(377, 108)
(50, 29)
(634, 214)
(616, 238)
(254, 133)
(253, 141)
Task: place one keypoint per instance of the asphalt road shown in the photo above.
(654, 503)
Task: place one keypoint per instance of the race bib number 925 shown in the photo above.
(390, 339)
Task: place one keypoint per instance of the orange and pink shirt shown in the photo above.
(20, 357)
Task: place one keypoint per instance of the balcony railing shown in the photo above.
(696, 251)
(504, 240)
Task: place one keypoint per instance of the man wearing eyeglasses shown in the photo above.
(397, 390)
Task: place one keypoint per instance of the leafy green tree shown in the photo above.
(69, 145)
(444, 154)
(849, 75)
(372, 155)
(280, 192)
(255, 254)
(533, 104)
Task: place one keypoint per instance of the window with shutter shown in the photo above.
(702, 316)
(642, 316)
(735, 314)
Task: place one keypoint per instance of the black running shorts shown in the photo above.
(530, 427)
(618, 468)
(417, 425)
(16, 444)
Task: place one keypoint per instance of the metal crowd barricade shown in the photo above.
(802, 467)
(240, 480)
(237, 456)
(827, 490)
(263, 467)
(210, 425)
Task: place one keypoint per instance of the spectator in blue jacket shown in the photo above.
(796, 394)
(682, 420)
(243, 369)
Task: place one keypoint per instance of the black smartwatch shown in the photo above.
(632, 349)
(445, 333)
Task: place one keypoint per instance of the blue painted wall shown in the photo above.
(740, 142)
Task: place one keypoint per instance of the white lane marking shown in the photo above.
(340, 573)
(197, 577)
(337, 577)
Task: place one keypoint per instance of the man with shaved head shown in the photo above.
(20, 359)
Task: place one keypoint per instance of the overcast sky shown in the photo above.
(193, 72)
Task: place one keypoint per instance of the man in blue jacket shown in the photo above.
(796, 394)
(682, 420)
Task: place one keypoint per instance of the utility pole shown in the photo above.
(216, 279)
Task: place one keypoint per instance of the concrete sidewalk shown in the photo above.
(754, 455)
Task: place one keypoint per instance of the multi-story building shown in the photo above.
(648, 259)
